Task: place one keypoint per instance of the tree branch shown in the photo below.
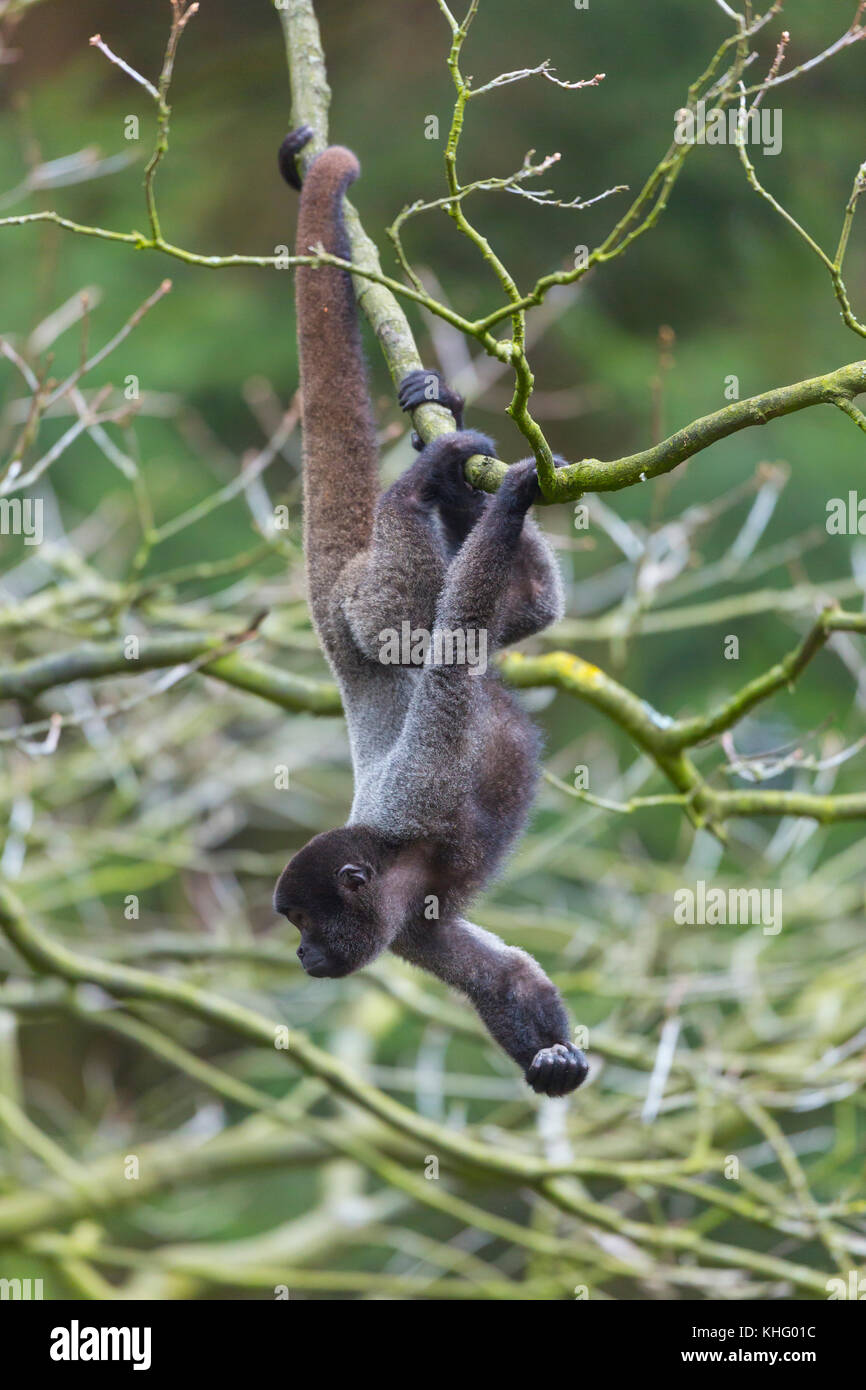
(664, 739)
(592, 475)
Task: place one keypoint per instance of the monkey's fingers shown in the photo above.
(556, 1070)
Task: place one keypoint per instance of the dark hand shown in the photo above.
(556, 1070)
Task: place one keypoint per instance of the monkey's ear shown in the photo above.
(354, 876)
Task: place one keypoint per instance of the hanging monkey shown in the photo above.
(445, 759)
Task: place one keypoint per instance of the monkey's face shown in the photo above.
(332, 892)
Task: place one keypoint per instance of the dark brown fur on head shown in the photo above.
(349, 892)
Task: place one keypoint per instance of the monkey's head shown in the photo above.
(349, 893)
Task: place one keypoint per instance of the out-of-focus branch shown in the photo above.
(685, 733)
(164, 1164)
(49, 957)
(377, 293)
(99, 659)
(22, 1214)
(665, 740)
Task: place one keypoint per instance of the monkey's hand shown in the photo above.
(556, 1070)
(429, 386)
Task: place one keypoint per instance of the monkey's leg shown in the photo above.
(446, 699)
(460, 505)
(534, 597)
(519, 1005)
(398, 579)
(479, 577)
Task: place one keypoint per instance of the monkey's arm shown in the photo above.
(481, 572)
(401, 575)
(519, 1005)
(534, 597)
(339, 439)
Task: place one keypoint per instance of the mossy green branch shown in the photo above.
(593, 475)
(379, 294)
(638, 719)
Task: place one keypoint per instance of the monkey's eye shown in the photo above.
(353, 876)
(296, 916)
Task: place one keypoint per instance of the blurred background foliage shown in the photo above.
(175, 801)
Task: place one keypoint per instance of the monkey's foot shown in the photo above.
(556, 1070)
(426, 385)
